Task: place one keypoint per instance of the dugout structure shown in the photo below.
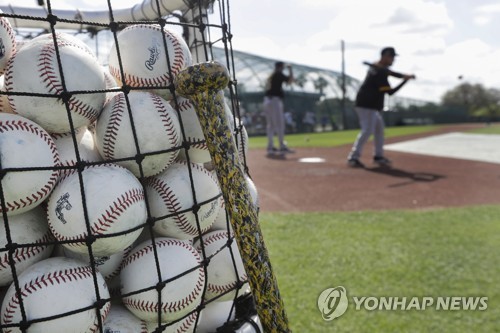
(255, 303)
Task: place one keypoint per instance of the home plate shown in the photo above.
(311, 160)
(476, 147)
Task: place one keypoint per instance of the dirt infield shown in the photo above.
(414, 181)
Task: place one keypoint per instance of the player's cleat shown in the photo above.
(271, 151)
(355, 163)
(286, 150)
(382, 161)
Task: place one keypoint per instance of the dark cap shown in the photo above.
(388, 51)
(279, 64)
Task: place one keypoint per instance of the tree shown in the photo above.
(320, 84)
(474, 98)
(301, 80)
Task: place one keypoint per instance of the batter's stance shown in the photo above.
(369, 105)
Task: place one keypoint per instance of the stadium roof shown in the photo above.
(252, 72)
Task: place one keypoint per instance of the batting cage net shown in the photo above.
(125, 193)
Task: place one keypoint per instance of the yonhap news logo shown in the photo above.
(333, 303)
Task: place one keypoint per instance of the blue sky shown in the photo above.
(438, 40)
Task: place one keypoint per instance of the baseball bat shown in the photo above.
(203, 84)
(387, 69)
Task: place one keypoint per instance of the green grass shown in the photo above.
(445, 252)
(336, 138)
(491, 129)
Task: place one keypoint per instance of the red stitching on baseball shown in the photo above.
(46, 280)
(177, 62)
(169, 306)
(42, 193)
(24, 253)
(113, 126)
(50, 76)
(108, 218)
(219, 289)
(170, 200)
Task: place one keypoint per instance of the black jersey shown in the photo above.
(372, 90)
(274, 85)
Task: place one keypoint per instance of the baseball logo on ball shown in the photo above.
(113, 202)
(144, 59)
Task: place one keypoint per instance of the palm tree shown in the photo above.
(320, 84)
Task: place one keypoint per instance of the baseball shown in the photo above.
(223, 275)
(87, 151)
(180, 268)
(4, 98)
(198, 150)
(108, 266)
(171, 200)
(7, 42)
(34, 69)
(121, 320)
(62, 39)
(114, 202)
(156, 129)
(52, 287)
(141, 50)
(28, 228)
(24, 144)
(221, 221)
(214, 315)
(185, 325)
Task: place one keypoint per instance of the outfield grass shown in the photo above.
(491, 129)
(337, 138)
(444, 252)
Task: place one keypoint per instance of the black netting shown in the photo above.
(114, 219)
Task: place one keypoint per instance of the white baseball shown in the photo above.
(66, 148)
(241, 137)
(121, 320)
(114, 203)
(179, 264)
(221, 221)
(108, 266)
(56, 286)
(156, 127)
(185, 325)
(7, 42)
(28, 228)
(25, 144)
(110, 84)
(214, 315)
(238, 130)
(35, 69)
(171, 198)
(62, 38)
(4, 99)
(198, 150)
(223, 275)
(141, 48)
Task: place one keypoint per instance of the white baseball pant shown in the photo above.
(371, 122)
(275, 119)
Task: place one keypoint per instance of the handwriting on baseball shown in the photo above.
(62, 203)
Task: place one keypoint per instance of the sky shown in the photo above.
(443, 42)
